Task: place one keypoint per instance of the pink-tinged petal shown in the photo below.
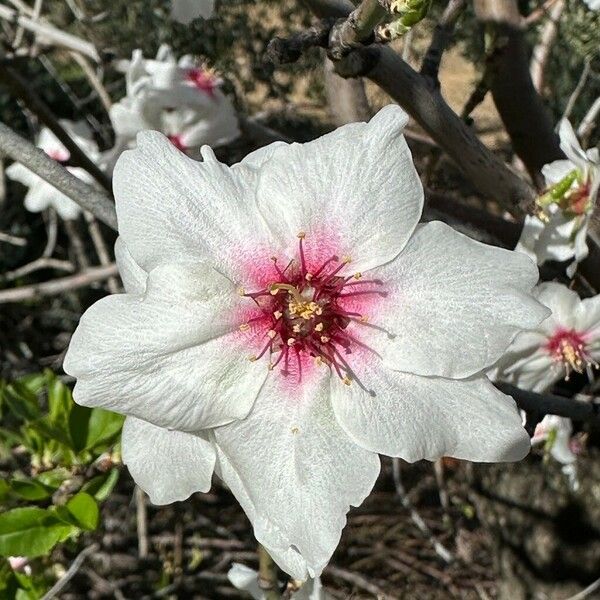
(295, 472)
(357, 184)
(415, 417)
(172, 356)
(453, 305)
(168, 465)
(171, 208)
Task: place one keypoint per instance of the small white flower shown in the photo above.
(178, 98)
(567, 341)
(556, 432)
(42, 195)
(559, 232)
(185, 11)
(593, 4)
(287, 319)
(246, 579)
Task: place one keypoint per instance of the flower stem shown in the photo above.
(267, 575)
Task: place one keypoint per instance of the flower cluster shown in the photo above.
(558, 232)
(287, 319)
(179, 98)
(42, 195)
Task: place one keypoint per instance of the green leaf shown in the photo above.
(60, 403)
(102, 485)
(21, 401)
(31, 531)
(92, 428)
(84, 510)
(4, 489)
(49, 431)
(31, 489)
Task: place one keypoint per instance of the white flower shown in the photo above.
(556, 432)
(178, 98)
(185, 11)
(383, 352)
(41, 194)
(246, 579)
(560, 233)
(593, 4)
(567, 341)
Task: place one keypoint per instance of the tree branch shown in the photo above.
(36, 160)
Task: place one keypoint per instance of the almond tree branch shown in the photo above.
(36, 160)
(18, 86)
(521, 108)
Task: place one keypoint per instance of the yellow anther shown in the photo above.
(277, 314)
(296, 328)
(271, 366)
(252, 358)
(271, 333)
(357, 275)
(241, 291)
(291, 341)
(301, 235)
(364, 319)
(308, 276)
(319, 310)
(324, 339)
(244, 327)
(318, 361)
(347, 380)
(295, 430)
(346, 259)
(319, 327)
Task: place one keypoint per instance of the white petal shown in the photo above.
(415, 417)
(133, 276)
(355, 190)
(562, 301)
(168, 465)
(593, 4)
(20, 173)
(185, 11)
(246, 579)
(557, 170)
(167, 357)
(453, 304)
(173, 209)
(296, 472)
(570, 145)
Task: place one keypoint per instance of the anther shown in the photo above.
(252, 358)
(271, 333)
(319, 327)
(291, 341)
(324, 339)
(357, 275)
(347, 380)
(244, 327)
(301, 235)
(241, 291)
(346, 259)
(277, 314)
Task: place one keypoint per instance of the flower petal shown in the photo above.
(557, 170)
(172, 209)
(168, 465)
(296, 472)
(415, 417)
(453, 304)
(357, 183)
(133, 276)
(570, 145)
(171, 356)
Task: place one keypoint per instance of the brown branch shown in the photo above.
(58, 286)
(18, 86)
(521, 108)
(36, 160)
(346, 98)
(267, 575)
(541, 51)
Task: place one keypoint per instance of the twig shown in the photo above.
(70, 573)
(589, 122)
(439, 548)
(590, 589)
(442, 34)
(357, 580)
(267, 575)
(141, 514)
(101, 249)
(76, 244)
(48, 33)
(93, 79)
(87, 196)
(580, 408)
(541, 51)
(538, 13)
(58, 286)
(18, 86)
(52, 231)
(36, 265)
(12, 239)
(578, 88)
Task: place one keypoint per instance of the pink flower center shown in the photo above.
(305, 313)
(568, 347)
(177, 141)
(59, 154)
(203, 80)
(578, 199)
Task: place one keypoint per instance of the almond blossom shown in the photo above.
(287, 319)
(566, 342)
(556, 432)
(41, 194)
(246, 579)
(181, 99)
(185, 11)
(559, 230)
(593, 4)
